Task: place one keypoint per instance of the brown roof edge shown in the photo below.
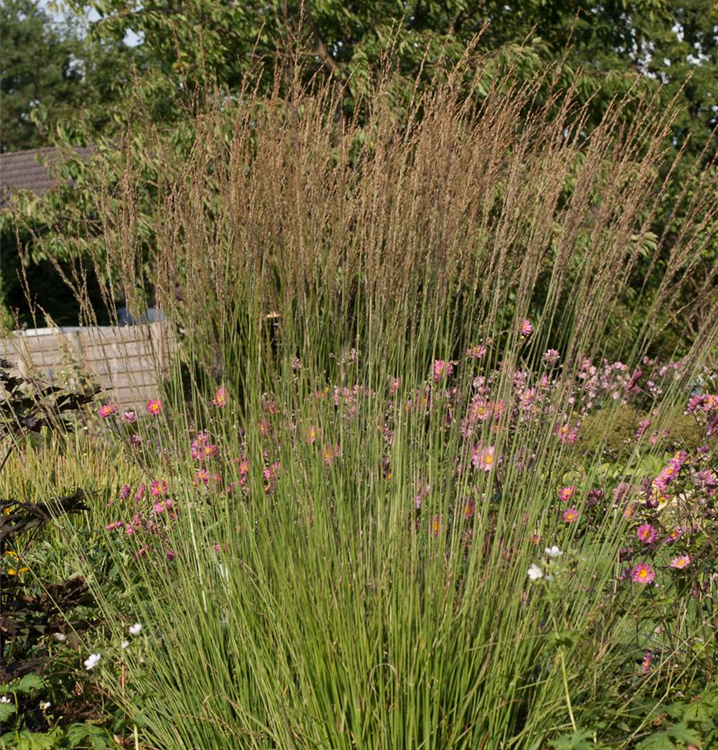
(24, 170)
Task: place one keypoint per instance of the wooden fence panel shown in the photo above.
(127, 362)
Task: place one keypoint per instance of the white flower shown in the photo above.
(4, 699)
(135, 629)
(60, 637)
(44, 705)
(553, 551)
(535, 572)
(124, 644)
(92, 661)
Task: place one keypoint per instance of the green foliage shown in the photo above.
(32, 610)
(675, 737)
(36, 70)
(581, 739)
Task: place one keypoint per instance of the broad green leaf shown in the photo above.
(30, 682)
(579, 740)
(6, 711)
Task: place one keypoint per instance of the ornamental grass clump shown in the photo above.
(372, 520)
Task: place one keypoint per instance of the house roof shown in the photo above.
(28, 170)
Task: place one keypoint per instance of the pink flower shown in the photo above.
(646, 533)
(202, 475)
(643, 425)
(675, 534)
(567, 434)
(208, 451)
(526, 329)
(476, 352)
(646, 663)
(570, 515)
(483, 458)
(158, 488)
(220, 398)
(643, 574)
(311, 435)
(680, 562)
(566, 494)
(551, 357)
(107, 410)
(436, 525)
(154, 406)
(442, 369)
(129, 416)
(331, 452)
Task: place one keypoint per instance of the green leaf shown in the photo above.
(77, 733)
(27, 740)
(674, 738)
(579, 740)
(6, 711)
(29, 682)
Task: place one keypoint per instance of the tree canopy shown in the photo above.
(89, 86)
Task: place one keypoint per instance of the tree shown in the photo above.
(37, 66)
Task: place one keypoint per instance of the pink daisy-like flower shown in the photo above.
(643, 425)
(220, 398)
(442, 369)
(566, 494)
(526, 329)
(201, 475)
(567, 434)
(675, 534)
(680, 562)
(154, 406)
(643, 574)
(436, 526)
(570, 515)
(646, 663)
(158, 488)
(107, 410)
(129, 416)
(551, 357)
(646, 533)
(476, 352)
(483, 458)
